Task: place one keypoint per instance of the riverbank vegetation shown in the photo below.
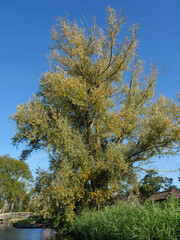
(127, 222)
(96, 116)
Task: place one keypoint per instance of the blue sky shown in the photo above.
(25, 37)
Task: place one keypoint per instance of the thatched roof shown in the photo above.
(160, 196)
(133, 199)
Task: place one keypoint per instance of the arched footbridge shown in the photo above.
(18, 215)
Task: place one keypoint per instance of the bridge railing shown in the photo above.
(16, 215)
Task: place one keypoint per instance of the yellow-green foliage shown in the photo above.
(95, 114)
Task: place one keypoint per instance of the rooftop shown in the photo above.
(165, 195)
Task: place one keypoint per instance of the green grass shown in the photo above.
(127, 221)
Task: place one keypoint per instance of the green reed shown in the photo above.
(127, 221)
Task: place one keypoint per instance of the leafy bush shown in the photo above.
(127, 221)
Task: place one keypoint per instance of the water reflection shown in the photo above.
(8, 232)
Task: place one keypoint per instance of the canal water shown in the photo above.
(8, 232)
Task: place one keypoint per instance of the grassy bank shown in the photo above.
(30, 221)
(127, 221)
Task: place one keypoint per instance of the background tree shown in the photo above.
(152, 183)
(14, 177)
(95, 113)
(40, 193)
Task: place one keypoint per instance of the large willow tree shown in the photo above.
(95, 113)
